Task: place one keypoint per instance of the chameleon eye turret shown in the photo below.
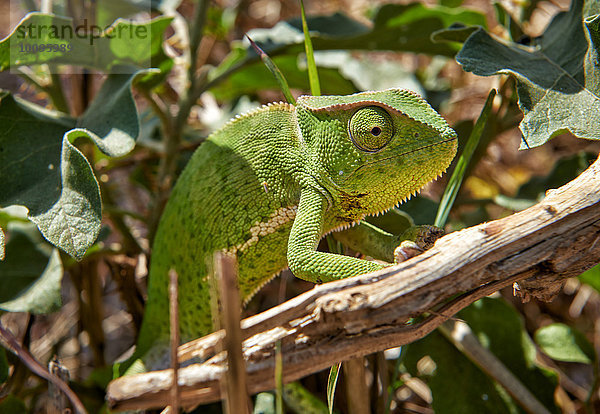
(371, 128)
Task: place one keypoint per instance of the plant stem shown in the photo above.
(173, 132)
(53, 89)
(160, 110)
(130, 243)
(56, 93)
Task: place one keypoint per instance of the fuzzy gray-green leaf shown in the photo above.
(558, 79)
(111, 120)
(42, 170)
(31, 274)
(125, 43)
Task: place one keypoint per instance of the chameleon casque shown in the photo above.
(268, 185)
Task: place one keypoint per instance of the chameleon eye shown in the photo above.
(371, 128)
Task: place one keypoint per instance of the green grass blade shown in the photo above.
(313, 75)
(461, 166)
(275, 71)
(334, 372)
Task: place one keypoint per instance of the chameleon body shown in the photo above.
(268, 185)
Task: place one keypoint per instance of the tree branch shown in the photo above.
(538, 248)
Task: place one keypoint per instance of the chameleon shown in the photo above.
(268, 185)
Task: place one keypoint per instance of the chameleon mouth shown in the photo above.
(424, 147)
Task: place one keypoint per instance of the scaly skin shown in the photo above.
(268, 185)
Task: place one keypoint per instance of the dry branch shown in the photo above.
(538, 248)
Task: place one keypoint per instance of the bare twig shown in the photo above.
(160, 109)
(38, 369)
(58, 400)
(537, 248)
(357, 392)
(237, 396)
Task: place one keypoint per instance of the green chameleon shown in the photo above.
(270, 184)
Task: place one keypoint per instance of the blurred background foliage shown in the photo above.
(87, 312)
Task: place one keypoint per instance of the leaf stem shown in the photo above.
(160, 110)
(53, 89)
(56, 93)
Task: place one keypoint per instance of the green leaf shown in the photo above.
(565, 170)
(42, 170)
(394, 27)
(500, 328)
(31, 274)
(334, 373)
(255, 77)
(107, 11)
(12, 405)
(340, 73)
(456, 382)
(281, 81)
(460, 170)
(264, 404)
(455, 33)
(299, 400)
(563, 343)
(453, 379)
(123, 44)
(111, 120)
(421, 209)
(557, 79)
(313, 75)
(360, 70)
(592, 277)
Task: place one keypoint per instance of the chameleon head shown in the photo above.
(372, 150)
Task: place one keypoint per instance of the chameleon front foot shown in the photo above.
(417, 240)
(406, 250)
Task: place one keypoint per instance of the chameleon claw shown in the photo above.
(406, 250)
(420, 238)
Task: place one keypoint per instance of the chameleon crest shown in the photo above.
(268, 185)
